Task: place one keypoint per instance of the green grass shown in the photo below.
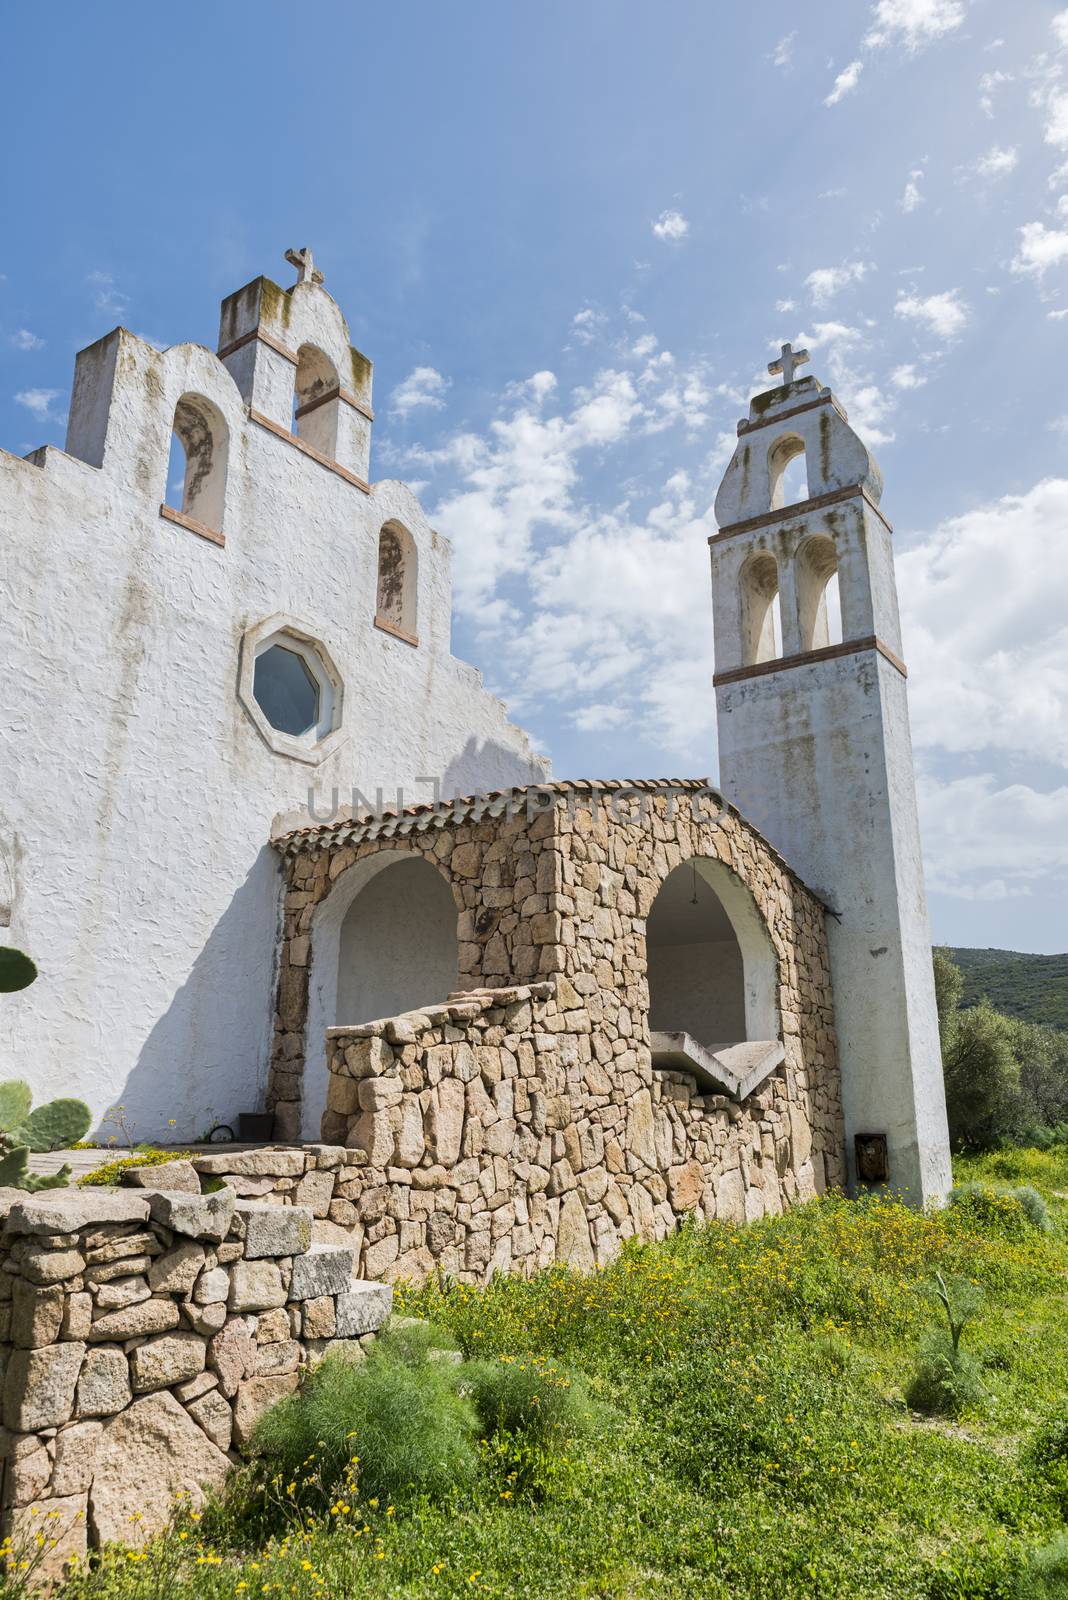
(748, 1435)
(1032, 987)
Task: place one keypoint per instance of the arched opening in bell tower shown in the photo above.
(316, 393)
(818, 596)
(787, 472)
(761, 609)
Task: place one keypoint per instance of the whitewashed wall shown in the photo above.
(137, 796)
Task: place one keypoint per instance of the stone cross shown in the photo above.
(302, 259)
(788, 362)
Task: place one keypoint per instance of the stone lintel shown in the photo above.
(849, 647)
(800, 508)
(191, 524)
(308, 450)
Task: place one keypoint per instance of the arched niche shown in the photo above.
(396, 603)
(316, 400)
(787, 471)
(818, 598)
(196, 470)
(711, 967)
(761, 614)
(383, 941)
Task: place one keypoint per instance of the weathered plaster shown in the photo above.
(819, 757)
(138, 794)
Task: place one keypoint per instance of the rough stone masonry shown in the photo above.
(145, 1332)
(524, 1122)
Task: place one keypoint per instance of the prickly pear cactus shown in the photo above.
(55, 1126)
(50, 1127)
(15, 1173)
(16, 1099)
(17, 971)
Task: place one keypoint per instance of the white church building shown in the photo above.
(178, 676)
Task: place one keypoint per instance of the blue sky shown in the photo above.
(570, 236)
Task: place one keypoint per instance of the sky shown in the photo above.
(570, 236)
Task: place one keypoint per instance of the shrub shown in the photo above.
(983, 1209)
(1046, 1574)
(531, 1411)
(403, 1428)
(946, 1380)
(411, 1341)
(1046, 1455)
(1034, 1207)
(533, 1396)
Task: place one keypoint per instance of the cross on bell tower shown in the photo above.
(788, 363)
(302, 259)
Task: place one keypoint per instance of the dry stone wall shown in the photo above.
(144, 1333)
(499, 1140)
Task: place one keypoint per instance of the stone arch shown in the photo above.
(316, 398)
(398, 571)
(711, 965)
(200, 446)
(787, 471)
(761, 609)
(818, 598)
(384, 940)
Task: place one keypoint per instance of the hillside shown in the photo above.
(1032, 987)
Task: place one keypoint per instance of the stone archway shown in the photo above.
(713, 978)
(383, 941)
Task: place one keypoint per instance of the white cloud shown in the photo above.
(586, 325)
(986, 841)
(107, 297)
(671, 225)
(825, 282)
(1056, 129)
(537, 388)
(644, 346)
(784, 50)
(23, 339)
(1059, 24)
(1057, 316)
(424, 386)
(845, 83)
(988, 83)
(906, 377)
(998, 162)
(1040, 249)
(990, 677)
(606, 607)
(785, 306)
(39, 401)
(912, 196)
(913, 23)
(840, 348)
(946, 315)
(598, 718)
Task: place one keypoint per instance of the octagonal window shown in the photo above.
(291, 689)
(287, 691)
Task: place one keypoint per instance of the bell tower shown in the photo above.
(815, 750)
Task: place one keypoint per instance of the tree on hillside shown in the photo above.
(982, 1073)
(1042, 1053)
